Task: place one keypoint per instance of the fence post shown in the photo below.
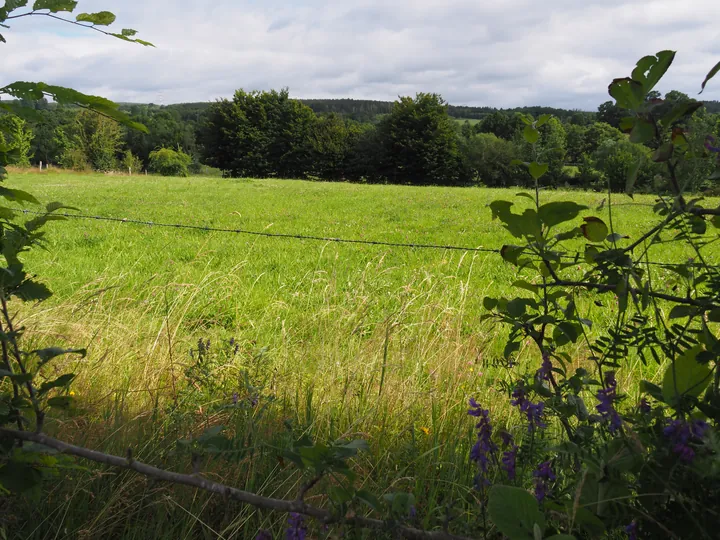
(41, 165)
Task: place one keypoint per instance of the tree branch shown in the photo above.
(708, 304)
(244, 497)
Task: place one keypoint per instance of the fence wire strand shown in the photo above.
(574, 256)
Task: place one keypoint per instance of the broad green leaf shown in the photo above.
(60, 402)
(538, 170)
(565, 333)
(489, 303)
(54, 206)
(60, 382)
(555, 213)
(714, 316)
(55, 5)
(17, 195)
(679, 111)
(11, 5)
(595, 229)
(686, 377)
(643, 131)
(515, 512)
(633, 174)
(128, 32)
(664, 153)
(651, 69)
(102, 18)
(19, 477)
(714, 71)
(48, 354)
(543, 119)
(32, 291)
(369, 499)
(19, 378)
(627, 93)
(511, 254)
(531, 134)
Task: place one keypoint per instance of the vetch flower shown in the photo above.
(632, 531)
(533, 411)
(606, 407)
(484, 447)
(263, 535)
(682, 434)
(543, 476)
(545, 371)
(296, 529)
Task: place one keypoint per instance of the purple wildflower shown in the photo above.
(297, 529)
(632, 531)
(484, 448)
(606, 397)
(533, 411)
(235, 398)
(263, 535)
(509, 461)
(506, 439)
(644, 407)
(709, 142)
(681, 434)
(543, 475)
(545, 371)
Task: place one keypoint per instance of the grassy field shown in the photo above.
(335, 340)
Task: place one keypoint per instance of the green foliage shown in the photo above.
(92, 141)
(489, 159)
(18, 138)
(131, 163)
(169, 162)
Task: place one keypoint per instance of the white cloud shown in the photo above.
(504, 53)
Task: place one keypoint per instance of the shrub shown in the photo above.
(169, 162)
(131, 163)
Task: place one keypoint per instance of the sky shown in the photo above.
(501, 53)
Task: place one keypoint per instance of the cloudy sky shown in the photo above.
(501, 53)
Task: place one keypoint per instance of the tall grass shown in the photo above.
(341, 341)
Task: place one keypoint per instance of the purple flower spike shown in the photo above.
(484, 447)
(533, 411)
(263, 535)
(682, 434)
(632, 531)
(709, 142)
(296, 528)
(543, 476)
(545, 371)
(606, 407)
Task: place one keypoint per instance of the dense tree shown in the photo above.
(16, 136)
(259, 134)
(500, 124)
(489, 159)
(333, 139)
(166, 127)
(93, 139)
(611, 114)
(420, 144)
(616, 158)
(169, 162)
(550, 148)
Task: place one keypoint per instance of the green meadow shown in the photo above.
(329, 339)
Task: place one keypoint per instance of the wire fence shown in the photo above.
(574, 256)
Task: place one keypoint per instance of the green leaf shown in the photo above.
(680, 312)
(11, 5)
(594, 229)
(644, 131)
(369, 499)
(633, 174)
(489, 303)
(651, 69)
(60, 402)
(55, 5)
(102, 18)
(531, 135)
(555, 213)
(686, 108)
(17, 195)
(20, 378)
(32, 291)
(60, 382)
(686, 377)
(543, 119)
(128, 32)
(565, 333)
(714, 316)
(627, 93)
(515, 512)
(714, 71)
(664, 153)
(538, 170)
(48, 354)
(19, 477)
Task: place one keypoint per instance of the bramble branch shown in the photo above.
(244, 497)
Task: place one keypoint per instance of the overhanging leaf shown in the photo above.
(555, 213)
(686, 377)
(515, 512)
(595, 229)
(531, 134)
(102, 18)
(627, 93)
(538, 170)
(643, 131)
(664, 153)
(714, 71)
(55, 5)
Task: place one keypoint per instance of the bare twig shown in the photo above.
(244, 497)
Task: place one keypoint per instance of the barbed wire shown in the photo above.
(574, 256)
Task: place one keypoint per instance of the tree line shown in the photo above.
(415, 140)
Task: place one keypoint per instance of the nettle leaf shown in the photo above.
(566, 332)
(128, 32)
(55, 5)
(594, 229)
(628, 93)
(686, 376)
(515, 512)
(714, 71)
(643, 131)
(102, 18)
(531, 135)
(538, 170)
(555, 213)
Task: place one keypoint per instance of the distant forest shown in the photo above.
(420, 140)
